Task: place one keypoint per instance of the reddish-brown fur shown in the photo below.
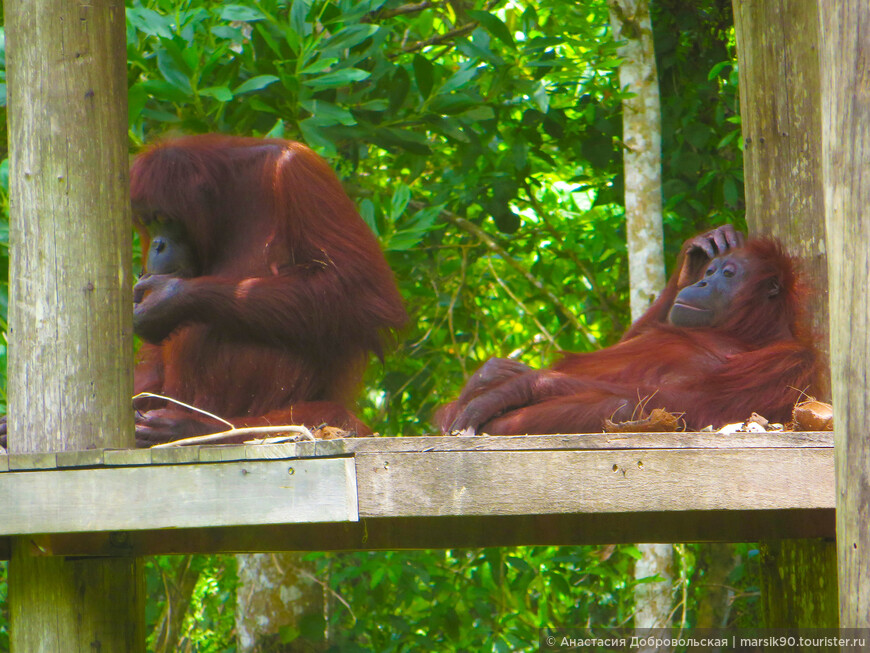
(760, 359)
(293, 294)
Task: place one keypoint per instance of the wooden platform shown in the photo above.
(422, 492)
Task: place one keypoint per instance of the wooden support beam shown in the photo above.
(389, 493)
(70, 324)
(846, 151)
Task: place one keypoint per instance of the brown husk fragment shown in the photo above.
(658, 421)
(813, 415)
(331, 433)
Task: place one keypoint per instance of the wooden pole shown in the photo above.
(780, 107)
(70, 317)
(846, 148)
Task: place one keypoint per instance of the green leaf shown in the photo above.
(399, 87)
(541, 97)
(494, 26)
(168, 67)
(715, 70)
(326, 113)
(729, 191)
(337, 78)
(221, 93)
(315, 138)
(136, 98)
(424, 73)
(298, 17)
(411, 141)
(263, 31)
(278, 130)
(227, 33)
(255, 84)
(347, 38)
(697, 134)
(367, 211)
(319, 65)
(506, 220)
(240, 13)
(162, 90)
(481, 112)
(452, 104)
(400, 199)
(150, 22)
(633, 551)
(459, 79)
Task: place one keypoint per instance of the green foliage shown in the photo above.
(4, 607)
(208, 625)
(474, 599)
(701, 143)
(471, 141)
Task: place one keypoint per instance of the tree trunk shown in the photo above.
(780, 106)
(180, 582)
(846, 152)
(70, 323)
(641, 128)
(642, 156)
(279, 604)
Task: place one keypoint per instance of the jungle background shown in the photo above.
(481, 141)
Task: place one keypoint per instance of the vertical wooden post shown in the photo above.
(780, 107)
(846, 157)
(70, 317)
(780, 112)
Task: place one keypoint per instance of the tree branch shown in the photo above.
(441, 38)
(404, 10)
(604, 300)
(493, 246)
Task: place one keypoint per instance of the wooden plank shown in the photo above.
(430, 500)
(225, 453)
(32, 461)
(452, 532)
(124, 457)
(175, 455)
(423, 444)
(139, 498)
(547, 482)
(589, 441)
(86, 458)
(270, 451)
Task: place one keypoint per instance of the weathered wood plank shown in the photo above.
(431, 499)
(224, 453)
(86, 458)
(175, 456)
(423, 444)
(452, 532)
(159, 497)
(547, 482)
(845, 66)
(270, 451)
(32, 461)
(589, 441)
(125, 457)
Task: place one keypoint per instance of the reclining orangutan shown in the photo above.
(724, 339)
